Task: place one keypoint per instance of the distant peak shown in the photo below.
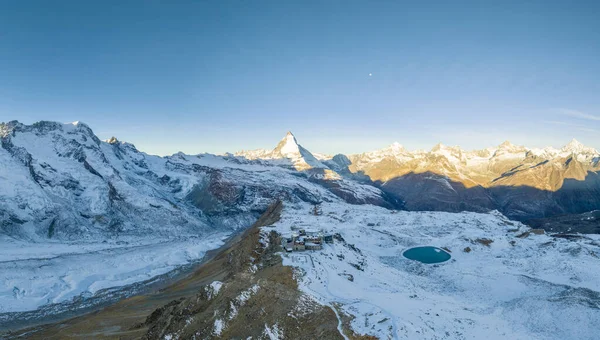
(301, 158)
(77, 124)
(574, 146)
(574, 142)
(289, 138)
(396, 147)
(113, 140)
(287, 145)
(507, 146)
(438, 147)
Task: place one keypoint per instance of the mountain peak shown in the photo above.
(288, 145)
(112, 140)
(438, 147)
(508, 147)
(301, 158)
(396, 145)
(575, 146)
(394, 148)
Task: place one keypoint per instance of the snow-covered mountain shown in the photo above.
(61, 181)
(478, 167)
(521, 182)
(81, 214)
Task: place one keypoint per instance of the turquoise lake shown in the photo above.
(427, 254)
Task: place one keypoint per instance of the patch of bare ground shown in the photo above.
(485, 241)
(530, 232)
(258, 295)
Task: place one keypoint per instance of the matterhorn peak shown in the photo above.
(289, 148)
(288, 145)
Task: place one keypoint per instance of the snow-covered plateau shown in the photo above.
(502, 282)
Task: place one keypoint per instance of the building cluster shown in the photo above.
(306, 240)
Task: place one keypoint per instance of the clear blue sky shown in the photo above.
(215, 76)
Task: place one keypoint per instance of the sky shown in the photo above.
(343, 76)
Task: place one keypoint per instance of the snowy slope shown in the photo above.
(537, 287)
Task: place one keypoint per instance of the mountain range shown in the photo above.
(60, 180)
(523, 183)
(85, 223)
